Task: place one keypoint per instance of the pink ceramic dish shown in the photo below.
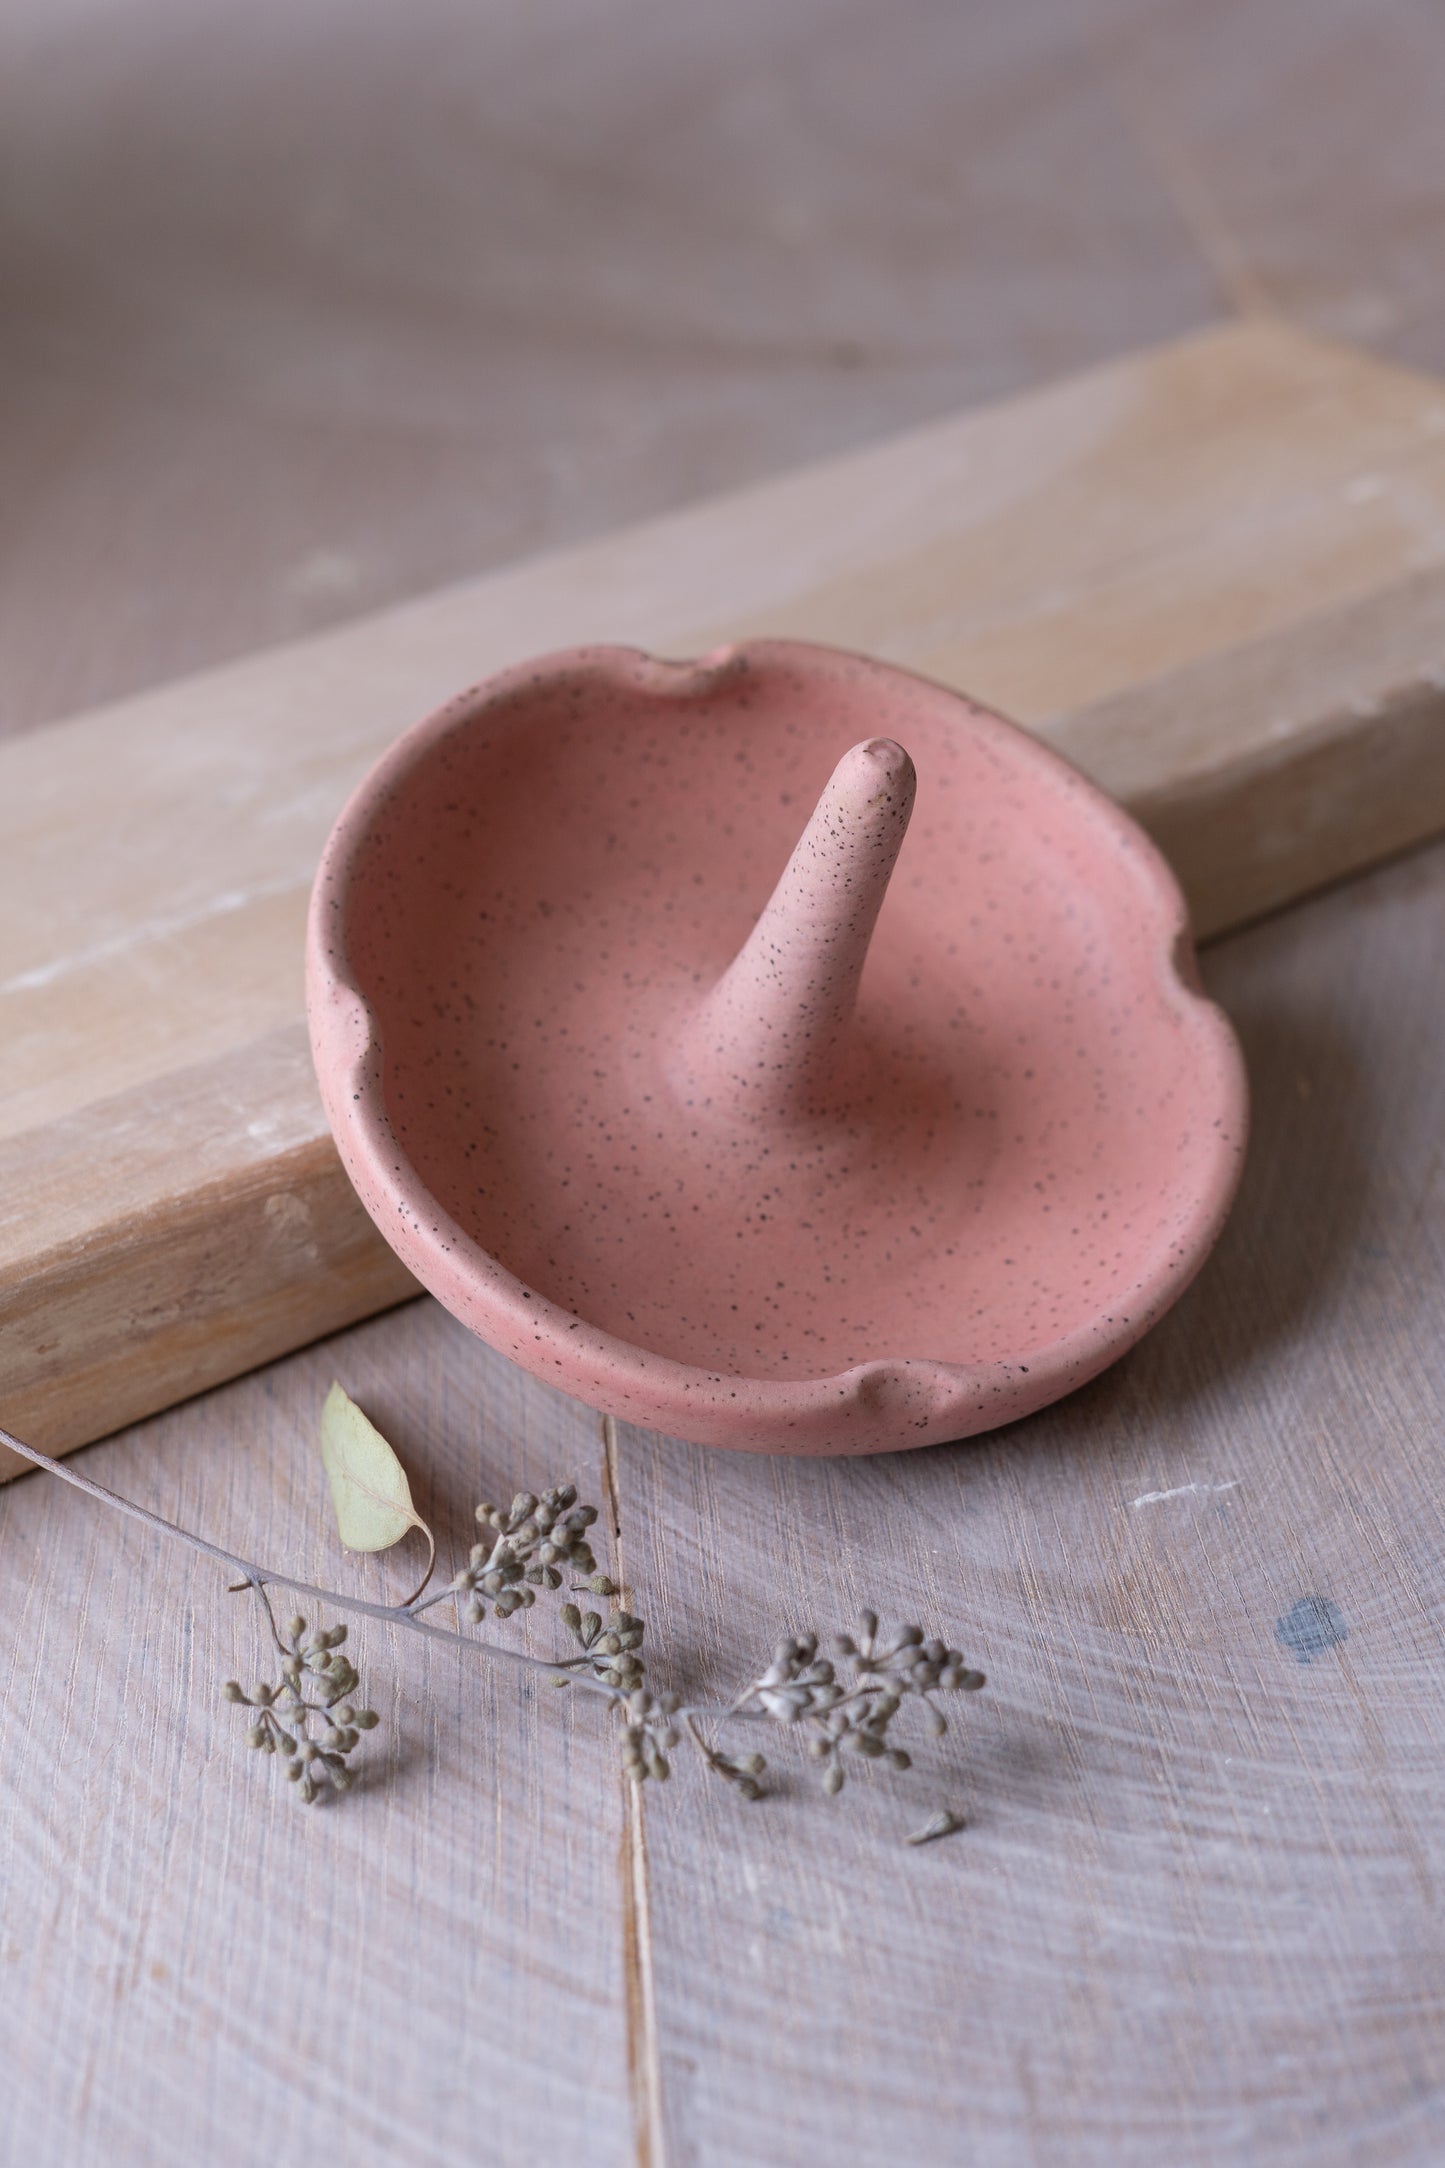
(677, 1148)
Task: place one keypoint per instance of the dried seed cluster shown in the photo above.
(853, 1712)
(743, 1770)
(530, 1544)
(846, 1702)
(649, 1734)
(609, 1647)
(285, 1715)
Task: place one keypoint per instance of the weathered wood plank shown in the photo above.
(1221, 560)
(226, 1228)
(1289, 761)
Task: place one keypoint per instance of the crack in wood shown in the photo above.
(643, 2059)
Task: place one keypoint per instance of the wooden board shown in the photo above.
(1213, 574)
(1194, 1920)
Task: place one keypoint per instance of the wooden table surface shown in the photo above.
(313, 304)
(310, 307)
(1194, 1917)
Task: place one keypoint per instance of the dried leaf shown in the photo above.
(369, 1488)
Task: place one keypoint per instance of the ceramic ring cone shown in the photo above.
(616, 1068)
(775, 1038)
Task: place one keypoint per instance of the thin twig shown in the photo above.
(262, 1577)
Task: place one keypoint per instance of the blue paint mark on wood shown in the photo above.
(1311, 1626)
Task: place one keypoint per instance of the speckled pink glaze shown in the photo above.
(683, 1151)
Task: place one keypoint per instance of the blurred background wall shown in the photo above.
(306, 305)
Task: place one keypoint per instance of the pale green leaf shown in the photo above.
(369, 1489)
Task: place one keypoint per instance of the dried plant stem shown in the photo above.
(530, 1546)
(260, 1578)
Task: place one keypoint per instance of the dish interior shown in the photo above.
(552, 885)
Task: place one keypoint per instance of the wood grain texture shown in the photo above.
(310, 307)
(1194, 1918)
(202, 1971)
(1289, 760)
(1222, 561)
(202, 1280)
(1301, 149)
